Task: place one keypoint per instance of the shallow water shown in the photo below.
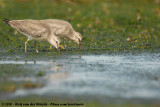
(123, 77)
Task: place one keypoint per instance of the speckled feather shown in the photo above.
(63, 29)
(38, 28)
(33, 28)
(59, 27)
(46, 30)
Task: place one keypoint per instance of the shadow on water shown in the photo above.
(93, 77)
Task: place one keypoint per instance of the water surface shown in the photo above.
(123, 77)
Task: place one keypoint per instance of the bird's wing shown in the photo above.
(59, 27)
(31, 27)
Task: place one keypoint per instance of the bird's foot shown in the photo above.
(36, 50)
(62, 47)
(50, 47)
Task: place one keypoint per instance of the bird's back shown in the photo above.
(59, 22)
(34, 28)
(59, 27)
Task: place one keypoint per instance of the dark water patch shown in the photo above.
(120, 78)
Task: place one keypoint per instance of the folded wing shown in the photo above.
(34, 28)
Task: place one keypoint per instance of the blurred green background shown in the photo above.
(105, 24)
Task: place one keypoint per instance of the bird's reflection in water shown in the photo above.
(51, 62)
(25, 61)
(58, 72)
(57, 77)
(34, 61)
(53, 81)
(56, 68)
(29, 62)
(77, 57)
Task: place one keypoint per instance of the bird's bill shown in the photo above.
(58, 47)
(80, 45)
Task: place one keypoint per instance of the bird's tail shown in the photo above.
(6, 21)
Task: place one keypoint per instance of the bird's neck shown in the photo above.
(71, 36)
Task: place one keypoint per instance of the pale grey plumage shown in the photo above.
(46, 30)
(59, 27)
(35, 30)
(64, 29)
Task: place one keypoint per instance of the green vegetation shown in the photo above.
(105, 24)
(51, 102)
(10, 72)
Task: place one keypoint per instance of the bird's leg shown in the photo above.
(35, 46)
(58, 47)
(50, 47)
(26, 45)
(80, 45)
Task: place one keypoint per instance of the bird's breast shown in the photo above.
(61, 36)
(37, 38)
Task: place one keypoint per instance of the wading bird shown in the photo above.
(35, 30)
(64, 29)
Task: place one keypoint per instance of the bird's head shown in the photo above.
(56, 42)
(78, 39)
